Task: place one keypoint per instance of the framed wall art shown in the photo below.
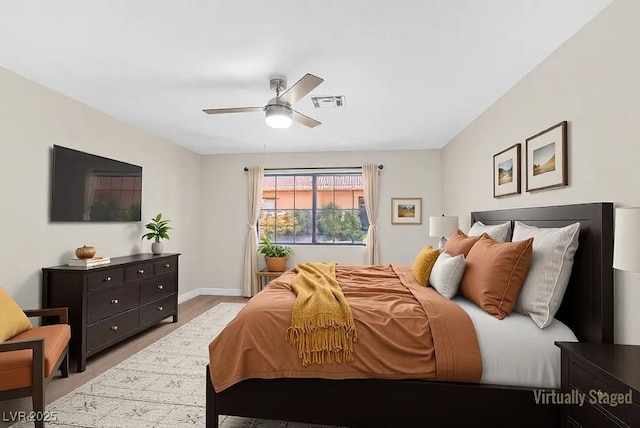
(406, 210)
(547, 161)
(506, 172)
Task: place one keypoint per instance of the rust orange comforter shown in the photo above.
(405, 331)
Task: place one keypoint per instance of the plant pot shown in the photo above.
(157, 248)
(276, 264)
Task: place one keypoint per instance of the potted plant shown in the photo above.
(158, 230)
(275, 256)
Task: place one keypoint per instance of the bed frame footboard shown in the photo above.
(381, 403)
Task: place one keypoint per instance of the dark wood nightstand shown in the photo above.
(607, 377)
(268, 275)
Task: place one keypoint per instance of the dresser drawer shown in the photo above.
(588, 416)
(104, 278)
(110, 330)
(158, 287)
(112, 301)
(158, 310)
(138, 271)
(166, 265)
(590, 385)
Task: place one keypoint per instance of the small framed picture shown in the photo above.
(506, 172)
(547, 161)
(406, 210)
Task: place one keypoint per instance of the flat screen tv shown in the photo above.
(87, 187)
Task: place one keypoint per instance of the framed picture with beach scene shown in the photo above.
(547, 161)
(406, 210)
(506, 172)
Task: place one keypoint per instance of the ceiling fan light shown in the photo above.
(278, 116)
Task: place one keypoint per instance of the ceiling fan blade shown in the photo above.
(304, 120)
(232, 110)
(301, 88)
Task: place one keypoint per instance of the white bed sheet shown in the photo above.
(515, 351)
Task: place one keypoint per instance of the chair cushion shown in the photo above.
(12, 319)
(15, 366)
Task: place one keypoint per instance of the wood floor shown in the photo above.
(110, 357)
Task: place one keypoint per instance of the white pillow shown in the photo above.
(447, 273)
(549, 270)
(498, 232)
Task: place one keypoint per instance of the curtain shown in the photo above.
(250, 283)
(370, 181)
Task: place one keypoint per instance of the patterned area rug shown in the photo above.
(162, 386)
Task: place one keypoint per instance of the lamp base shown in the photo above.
(441, 243)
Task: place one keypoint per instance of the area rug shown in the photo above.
(162, 386)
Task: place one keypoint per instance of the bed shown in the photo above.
(587, 309)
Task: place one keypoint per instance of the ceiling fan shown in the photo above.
(278, 111)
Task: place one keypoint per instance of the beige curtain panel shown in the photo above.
(250, 283)
(370, 182)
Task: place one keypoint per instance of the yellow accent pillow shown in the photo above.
(423, 264)
(12, 320)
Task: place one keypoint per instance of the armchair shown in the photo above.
(29, 360)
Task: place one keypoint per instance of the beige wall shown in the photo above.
(33, 119)
(592, 81)
(405, 174)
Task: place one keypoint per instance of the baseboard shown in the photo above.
(209, 292)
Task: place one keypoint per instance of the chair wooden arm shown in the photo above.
(18, 345)
(61, 313)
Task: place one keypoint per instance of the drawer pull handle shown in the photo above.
(114, 327)
(160, 308)
(114, 301)
(167, 266)
(141, 271)
(160, 287)
(107, 279)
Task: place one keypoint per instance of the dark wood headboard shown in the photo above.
(587, 307)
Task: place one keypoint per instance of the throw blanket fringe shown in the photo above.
(322, 325)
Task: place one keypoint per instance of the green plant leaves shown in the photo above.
(158, 227)
(270, 249)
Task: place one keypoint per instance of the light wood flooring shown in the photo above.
(110, 357)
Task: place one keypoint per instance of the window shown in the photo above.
(313, 209)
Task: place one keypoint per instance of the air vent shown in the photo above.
(328, 102)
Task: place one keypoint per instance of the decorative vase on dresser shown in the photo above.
(108, 304)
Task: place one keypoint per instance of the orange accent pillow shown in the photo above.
(459, 243)
(495, 272)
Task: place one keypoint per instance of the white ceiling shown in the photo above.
(414, 73)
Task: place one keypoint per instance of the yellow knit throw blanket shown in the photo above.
(322, 324)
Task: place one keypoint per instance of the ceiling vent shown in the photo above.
(328, 102)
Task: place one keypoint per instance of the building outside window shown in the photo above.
(313, 209)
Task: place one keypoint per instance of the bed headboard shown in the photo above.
(587, 307)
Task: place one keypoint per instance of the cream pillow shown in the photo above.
(549, 272)
(12, 319)
(447, 273)
(499, 232)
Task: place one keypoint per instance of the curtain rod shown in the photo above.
(319, 167)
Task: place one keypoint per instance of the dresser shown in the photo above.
(602, 384)
(108, 304)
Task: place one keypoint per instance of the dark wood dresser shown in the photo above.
(110, 303)
(608, 376)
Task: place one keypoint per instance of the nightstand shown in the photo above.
(606, 379)
(268, 275)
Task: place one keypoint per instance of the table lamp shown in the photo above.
(626, 244)
(440, 227)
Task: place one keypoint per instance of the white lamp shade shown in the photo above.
(626, 244)
(278, 116)
(442, 226)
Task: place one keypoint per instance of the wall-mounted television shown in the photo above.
(87, 187)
